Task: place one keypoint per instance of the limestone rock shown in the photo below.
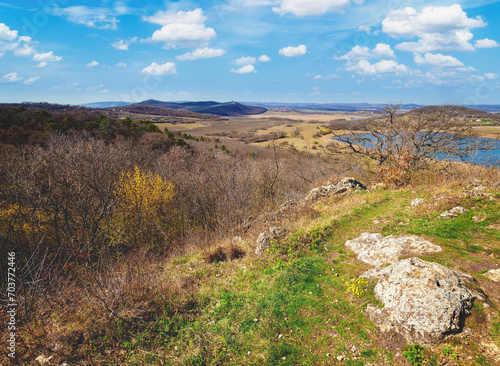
(423, 300)
(344, 185)
(265, 238)
(493, 274)
(454, 212)
(377, 250)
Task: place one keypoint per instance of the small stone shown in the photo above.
(248, 353)
(255, 319)
(327, 355)
(283, 358)
(493, 274)
(280, 336)
(416, 202)
(340, 358)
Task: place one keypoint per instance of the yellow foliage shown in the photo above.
(144, 213)
(143, 192)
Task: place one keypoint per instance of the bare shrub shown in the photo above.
(404, 145)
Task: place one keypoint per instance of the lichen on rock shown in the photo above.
(423, 301)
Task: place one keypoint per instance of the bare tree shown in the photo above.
(404, 144)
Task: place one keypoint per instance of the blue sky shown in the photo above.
(324, 51)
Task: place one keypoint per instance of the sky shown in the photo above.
(309, 51)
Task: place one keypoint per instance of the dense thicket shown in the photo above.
(89, 196)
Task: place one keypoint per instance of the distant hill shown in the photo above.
(459, 111)
(210, 107)
(140, 109)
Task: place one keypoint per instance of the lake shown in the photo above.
(481, 157)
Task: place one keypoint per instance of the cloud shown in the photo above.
(486, 43)
(293, 51)
(242, 61)
(95, 87)
(490, 76)
(25, 50)
(363, 67)
(121, 45)
(41, 65)
(100, 18)
(381, 50)
(437, 27)
(302, 8)
(181, 29)
(46, 57)
(31, 80)
(438, 60)
(247, 69)
(6, 34)
(11, 77)
(326, 77)
(121, 64)
(92, 64)
(201, 53)
(167, 68)
(103, 91)
(364, 28)
(264, 58)
(69, 86)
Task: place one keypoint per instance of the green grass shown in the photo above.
(299, 304)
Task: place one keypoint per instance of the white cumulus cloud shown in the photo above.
(490, 76)
(302, 8)
(25, 50)
(293, 51)
(46, 57)
(121, 45)
(363, 67)
(92, 64)
(486, 43)
(181, 29)
(31, 80)
(247, 69)
(437, 27)
(6, 34)
(381, 50)
(11, 77)
(264, 58)
(201, 53)
(438, 60)
(168, 68)
(242, 61)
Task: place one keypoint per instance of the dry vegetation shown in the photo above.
(135, 248)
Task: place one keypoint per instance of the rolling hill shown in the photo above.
(459, 111)
(210, 107)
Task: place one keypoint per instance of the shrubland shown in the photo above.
(137, 248)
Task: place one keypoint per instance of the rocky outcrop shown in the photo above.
(423, 301)
(332, 189)
(265, 238)
(454, 212)
(377, 250)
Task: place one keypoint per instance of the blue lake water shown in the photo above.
(481, 157)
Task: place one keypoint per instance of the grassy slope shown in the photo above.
(297, 305)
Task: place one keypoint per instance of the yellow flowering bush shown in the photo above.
(144, 211)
